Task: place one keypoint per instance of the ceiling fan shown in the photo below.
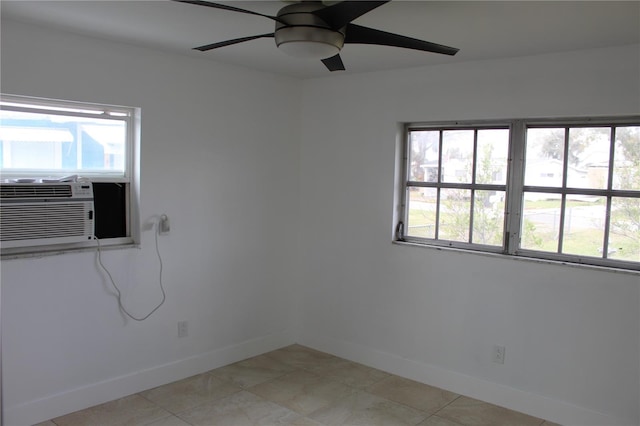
(313, 29)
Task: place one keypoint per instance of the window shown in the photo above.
(45, 140)
(566, 190)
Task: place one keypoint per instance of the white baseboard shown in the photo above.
(494, 393)
(72, 400)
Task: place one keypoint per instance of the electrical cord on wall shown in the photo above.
(119, 294)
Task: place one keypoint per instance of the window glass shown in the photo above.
(422, 212)
(58, 144)
(626, 166)
(457, 156)
(580, 224)
(584, 226)
(588, 159)
(571, 193)
(424, 156)
(448, 198)
(488, 217)
(541, 216)
(624, 240)
(545, 157)
(455, 214)
(492, 153)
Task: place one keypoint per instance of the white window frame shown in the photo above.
(130, 177)
(515, 188)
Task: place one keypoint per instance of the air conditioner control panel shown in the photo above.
(84, 190)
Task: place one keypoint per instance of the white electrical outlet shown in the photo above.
(498, 354)
(183, 328)
(164, 225)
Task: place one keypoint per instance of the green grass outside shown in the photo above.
(586, 242)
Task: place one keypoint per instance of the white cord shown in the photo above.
(119, 297)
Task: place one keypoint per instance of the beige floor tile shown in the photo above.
(305, 421)
(353, 374)
(253, 371)
(364, 409)
(302, 391)
(548, 423)
(296, 386)
(438, 421)
(306, 358)
(191, 392)
(169, 421)
(242, 409)
(131, 410)
(471, 412)
(414, 394)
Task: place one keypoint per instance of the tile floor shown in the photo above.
(296, 386)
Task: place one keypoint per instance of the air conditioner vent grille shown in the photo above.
(33, 215)
(27, 222)
(35, 191)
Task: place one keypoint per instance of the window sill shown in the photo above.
(520, 258)
(44, 251)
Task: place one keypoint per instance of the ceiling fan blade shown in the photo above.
(363, 35)
(334, 63)
(230, 42)
(340, 14)
(231, 8)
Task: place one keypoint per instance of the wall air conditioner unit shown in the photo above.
(38, 214)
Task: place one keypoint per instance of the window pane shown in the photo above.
(457, 156)
(422, 204)
(584, 224)
(493, 148)
(31, 155)
(624, 233)
(42, 143)
(544, 157)
(488, 218)
(580, 198)
(423, 159)
(588, 157)
(540, 221)
(455, 210)
(626, 171)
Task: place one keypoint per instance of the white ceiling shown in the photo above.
(481, 30)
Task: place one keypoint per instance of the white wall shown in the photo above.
(571, 334)
(219, 155)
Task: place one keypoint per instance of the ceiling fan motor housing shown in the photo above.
(313, 29)
(303, 34)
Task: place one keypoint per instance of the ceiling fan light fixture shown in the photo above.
(317, 29)
(309, 42)
(300, 33)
